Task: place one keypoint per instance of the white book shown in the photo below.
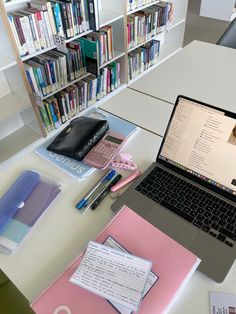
(51, 17)
(73, 29)
(27, 33)
(49, 29)
(30, 35)
(34, 18)
(45, 30)
(41, 27)
(64, 107)
(19, 46)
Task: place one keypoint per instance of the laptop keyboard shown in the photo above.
(202, 209)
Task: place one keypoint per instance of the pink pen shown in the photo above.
(125, 181)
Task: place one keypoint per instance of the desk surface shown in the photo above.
(147, 112)
(202, 71)
(63, 232)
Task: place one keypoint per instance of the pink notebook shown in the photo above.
(172, 263)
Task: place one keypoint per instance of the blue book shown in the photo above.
(78, 169)
(58, 20)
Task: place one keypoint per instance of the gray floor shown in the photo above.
(202, 28)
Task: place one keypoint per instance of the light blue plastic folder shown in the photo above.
(16, 195)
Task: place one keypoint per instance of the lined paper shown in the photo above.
(112, 274)
(152, 278)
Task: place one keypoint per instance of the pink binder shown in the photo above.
(171, 262)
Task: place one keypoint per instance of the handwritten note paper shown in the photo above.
(152, 278)
(112, 274)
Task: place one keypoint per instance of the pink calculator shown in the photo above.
(103, 153)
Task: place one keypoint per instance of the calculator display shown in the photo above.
(113, 139)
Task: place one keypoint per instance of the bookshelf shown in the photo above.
(21, 118)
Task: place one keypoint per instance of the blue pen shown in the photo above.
(108, 176)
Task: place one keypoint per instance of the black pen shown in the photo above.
(104, 193)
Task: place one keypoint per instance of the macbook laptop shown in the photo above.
(190, 191)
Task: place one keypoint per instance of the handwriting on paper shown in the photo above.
(112, 274)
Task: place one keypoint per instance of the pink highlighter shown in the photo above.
(125, 181)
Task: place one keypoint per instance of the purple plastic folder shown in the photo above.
(16, 195)
(37, 202)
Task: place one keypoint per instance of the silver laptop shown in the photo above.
(190, 191)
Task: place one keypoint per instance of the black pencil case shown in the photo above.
(76, 140)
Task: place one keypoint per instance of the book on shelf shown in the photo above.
(78, 169)
(92, 9)
(142, 58)
(147, 23)
(53, 70)
(63, 105)
(26, 217)
(35, 26)
(98, 48)
(135, 4)
(172, 268)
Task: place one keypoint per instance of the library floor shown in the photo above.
(202, 28)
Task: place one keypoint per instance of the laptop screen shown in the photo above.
(201, 140)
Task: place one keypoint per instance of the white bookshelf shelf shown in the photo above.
(17, 141)
(166, 51)
(6, 62)
(38, 53)
(107, 17)
(10, 4)
(78, 36)
(12, 104)
(142, 7)
(54, 46)
(176, 21)
(67, 85)
(117, 55)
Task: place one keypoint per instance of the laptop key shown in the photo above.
(229, 243)
(193, 213)
(208, 222)
(221, 237)
(215, 226)
(156, 199)
(230, 227)
(206, 228)
(198, 223)
(227, 233)
(213, 234)
(222, 222)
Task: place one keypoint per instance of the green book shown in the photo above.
(45, 118)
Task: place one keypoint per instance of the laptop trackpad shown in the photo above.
(175, 227)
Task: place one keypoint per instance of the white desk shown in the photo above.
(202, 71)
(147, 112)
(63, 231)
